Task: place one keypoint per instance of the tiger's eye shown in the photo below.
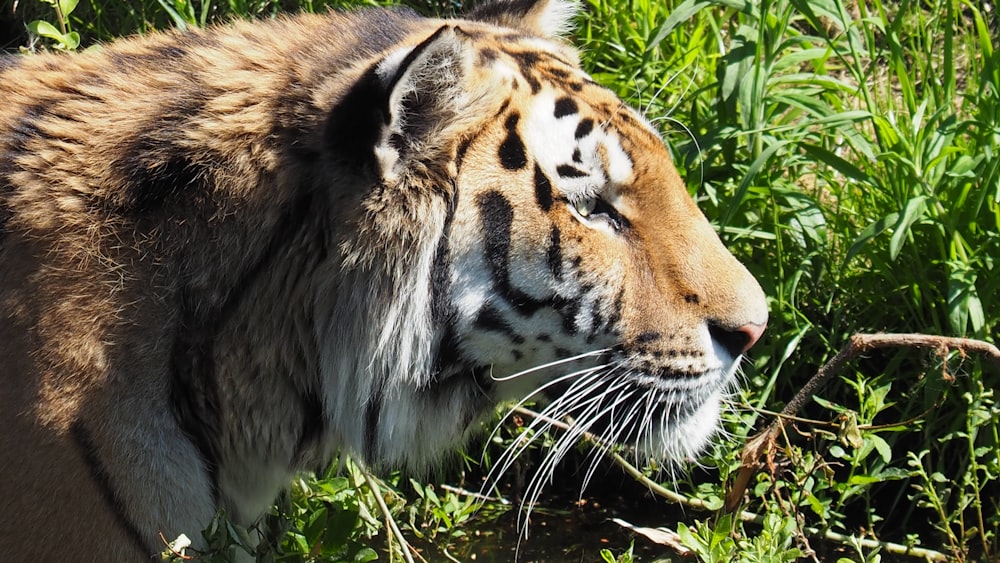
(585, 206)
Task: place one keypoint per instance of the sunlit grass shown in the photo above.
(847, 153)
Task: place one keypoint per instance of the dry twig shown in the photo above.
(743, 515)
(763, 444)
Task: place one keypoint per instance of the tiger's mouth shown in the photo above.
(654, 410)
(667, 414)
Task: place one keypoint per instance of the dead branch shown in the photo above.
(763, 444)
(744, 515)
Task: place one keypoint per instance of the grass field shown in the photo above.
(847, 153)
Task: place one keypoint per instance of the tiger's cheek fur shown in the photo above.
(527, 296)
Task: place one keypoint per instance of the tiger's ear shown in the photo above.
(425, 90)
(544, 18)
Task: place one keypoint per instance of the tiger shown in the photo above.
(228, 254)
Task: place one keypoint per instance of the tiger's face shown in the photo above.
(580, 267)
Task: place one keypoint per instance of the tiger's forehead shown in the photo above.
(577, 135)
(572, 126)
(575, 143)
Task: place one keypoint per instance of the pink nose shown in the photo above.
(738, 340)
(752, 332)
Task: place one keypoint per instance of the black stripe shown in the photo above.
(568, 309)
(565, 106)
(616, 312)
(487, 56)
(107, 487)
(313, 423)
(194, 393)
(596, 319)
(448, 355)
(24, 131)
(528, 61)
(543, 189)
(569, 171)
(648, 336)
(373, 415)
(555, 259)
(584, 128)
(152, 170)
(463, 148)
(489, 318)
(164, 57)
(497, 216)
(500, 12)
(512, 153)
(442, 309)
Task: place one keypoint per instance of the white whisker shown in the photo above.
(579, 389)
(606, 442)
(551, 364)
(576, 374)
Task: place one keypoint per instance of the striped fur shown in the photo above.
(224, 254)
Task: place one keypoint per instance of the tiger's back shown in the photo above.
(224, 254)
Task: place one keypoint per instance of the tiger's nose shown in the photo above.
(737, 340)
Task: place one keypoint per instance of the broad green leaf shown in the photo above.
(71, 40)
(839, 164)
(965, 166)
(964, 305)
(830, 405)
(911, 213)
(66, 7)
(863, 480)
(43, 28)
(881, 446)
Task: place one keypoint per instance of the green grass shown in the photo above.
(848, 154)
(849, 158)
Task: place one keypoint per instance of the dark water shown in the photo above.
(563, 527)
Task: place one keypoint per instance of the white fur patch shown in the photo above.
(597, 158)
(557, 18)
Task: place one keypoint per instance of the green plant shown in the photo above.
(62, 35)
(328, 519)
(715, 542)
(333, 517)
(432, 514)
(849, 159)
(626, 557)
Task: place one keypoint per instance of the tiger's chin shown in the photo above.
(669, 417)
(678, 439)
(690, 416)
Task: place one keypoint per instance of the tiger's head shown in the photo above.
(556, 252)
